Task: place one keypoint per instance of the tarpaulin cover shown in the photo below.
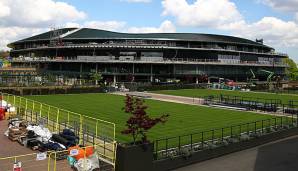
(87, 164)
(42, 132)
(60, 140)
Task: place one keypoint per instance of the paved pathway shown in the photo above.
(164, 97)
(185, 100)
(280, 155)
(9, 148)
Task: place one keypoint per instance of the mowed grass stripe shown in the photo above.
(207, 92)
(184, 119)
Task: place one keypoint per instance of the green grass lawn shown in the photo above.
(184, 119)
(206, 92)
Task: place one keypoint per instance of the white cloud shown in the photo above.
(37, 13)
(5, 10)
(274, 31)
(137, 1)
(8, 34)
(105, 25)
(283, 5)
(202, 13)
(72, 25)
(290, 6)
(120, 26)
(165, 27)
(24, 18)
(223, 15)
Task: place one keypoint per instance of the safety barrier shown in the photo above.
(56, 160)
(25, 162)
(91, 131)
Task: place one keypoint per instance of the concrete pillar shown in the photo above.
(197, 73)
(151, 73)
(96, 70)
(174, 71)
(133, 73)
(115, 79)
(81, 70)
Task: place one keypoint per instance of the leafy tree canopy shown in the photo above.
(4, 54)
(292, 70)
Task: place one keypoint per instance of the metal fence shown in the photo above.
(91, 131)
(186, 144)
(54, 161)
(25, 162)
(247, 103)
(252, 103)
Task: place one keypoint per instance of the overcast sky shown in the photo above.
(276, 21)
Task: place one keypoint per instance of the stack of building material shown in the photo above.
(14, 133)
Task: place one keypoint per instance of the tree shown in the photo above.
(4, 54)
(139, 123)
(96, 76)
(292, 70)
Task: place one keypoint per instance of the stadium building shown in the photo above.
(73, 53)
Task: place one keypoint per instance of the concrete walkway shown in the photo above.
(280, 155)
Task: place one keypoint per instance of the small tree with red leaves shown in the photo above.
(139, 123)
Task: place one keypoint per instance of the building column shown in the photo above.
(115, 80)
(96, 70)
(133, 73)
(151, 73)
(96, 67)
(197, 73)
(174, 71)
(81, 70)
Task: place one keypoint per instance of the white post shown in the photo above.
(115, 79)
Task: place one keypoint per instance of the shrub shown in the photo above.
(186, 152)
(211, 146)
(244, 137)
(232, 140)
(139, 123)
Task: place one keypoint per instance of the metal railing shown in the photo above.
(163, 60)
(198, 141)
(148, 45)
(53, 161)
(91, 131)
